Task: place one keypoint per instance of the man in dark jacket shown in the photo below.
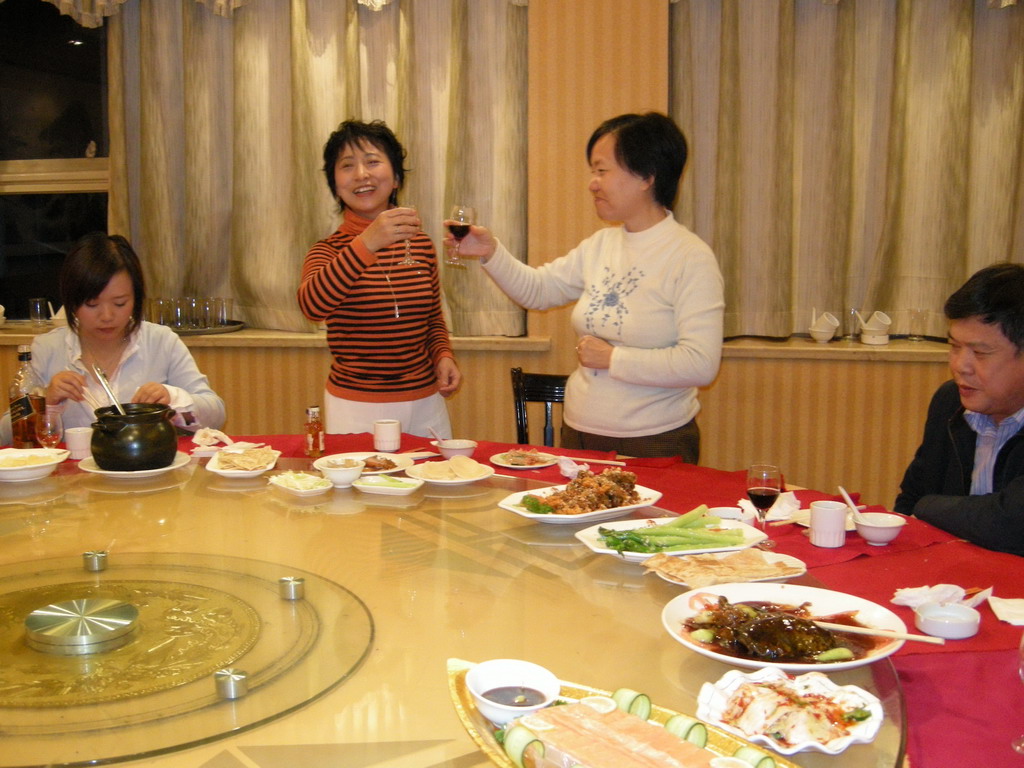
(967, 476)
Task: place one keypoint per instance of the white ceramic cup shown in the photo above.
(79, 442)
(826, 321)
(387, 435)
(828, 523)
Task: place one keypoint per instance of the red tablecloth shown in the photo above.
(964, 699)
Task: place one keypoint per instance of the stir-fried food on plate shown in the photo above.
(776, 633)
(378, 463)
(249, 459)
(519, 457)
(704, 570)
(588, 493)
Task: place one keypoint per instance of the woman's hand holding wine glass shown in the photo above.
(461, 218)
(764, 484)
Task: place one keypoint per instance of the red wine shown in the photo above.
(763, 498)
(458, 231)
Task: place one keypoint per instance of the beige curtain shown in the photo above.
(218, 125)
(860, 153)
(90, 13)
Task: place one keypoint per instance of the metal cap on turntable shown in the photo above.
(81, 626)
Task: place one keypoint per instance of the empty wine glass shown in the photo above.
(49, 429)
(764, 484)
(408, 261)
(459, 221)
(1018, 743)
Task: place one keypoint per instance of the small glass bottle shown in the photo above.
(26, 396)
(314, 432)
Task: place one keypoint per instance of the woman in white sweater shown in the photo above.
(648, 293)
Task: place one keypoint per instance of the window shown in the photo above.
(53, 146)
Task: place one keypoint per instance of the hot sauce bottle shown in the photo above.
(314, 432)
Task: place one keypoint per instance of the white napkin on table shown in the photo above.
(944, 594)
(570, 468)
(1009, 610)
(784, 507)
(206, 439)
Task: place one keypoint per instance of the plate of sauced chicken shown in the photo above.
(589, 498)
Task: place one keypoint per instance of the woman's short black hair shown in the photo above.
(87, 269)
(353, 133)
(994, 294)
(650, 145)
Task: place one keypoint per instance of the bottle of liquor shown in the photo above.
(314, 432)
(27, 399)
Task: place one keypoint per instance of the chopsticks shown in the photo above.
(595, 461)
(879, 632)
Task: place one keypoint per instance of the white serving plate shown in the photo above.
(513, 504)
(32, 471)
(592, 537)
(417, 472)
(379, 485)
(714, 697)
(214, 466)
(770, 557)
(822, 602)
(275, 480)
(89, 465)
(501, 460)
(402, 462)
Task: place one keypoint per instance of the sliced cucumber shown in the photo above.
(634, 702)
(702, 635)
(755, 757)
(834, 654)
(689, 729)
(517, 740)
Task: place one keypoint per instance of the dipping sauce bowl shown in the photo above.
(454, 447)
(953, 622)
(501, 678)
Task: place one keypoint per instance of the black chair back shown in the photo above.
(544, 388)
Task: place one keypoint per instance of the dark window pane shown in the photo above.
(52, 84)
(36, 231)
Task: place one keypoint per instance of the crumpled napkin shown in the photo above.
(944, 594)
(206, 437)
(569, 468)
(1009, 610)
(783, 508)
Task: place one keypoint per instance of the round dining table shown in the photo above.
(282, 630)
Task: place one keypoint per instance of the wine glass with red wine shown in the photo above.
(459, 221)
(764, 484)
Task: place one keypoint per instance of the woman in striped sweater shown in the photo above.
(375, 284)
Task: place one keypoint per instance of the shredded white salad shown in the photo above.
(300, 481)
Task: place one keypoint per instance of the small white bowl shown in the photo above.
(881, 528)
(510, 673)
(822, 337)
(953, 621)
(341, 471)
(449, 448)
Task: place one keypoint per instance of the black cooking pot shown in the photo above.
(143, 438)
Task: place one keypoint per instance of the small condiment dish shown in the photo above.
(733, 513)
(822, 337)
(342, 472)
(879, 528)
(953, 621)
(454, 447)
(488, 679)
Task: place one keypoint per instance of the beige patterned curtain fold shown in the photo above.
(218, 128)
(865, 153)
(90, 13)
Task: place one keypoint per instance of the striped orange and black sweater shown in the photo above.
(378, 357)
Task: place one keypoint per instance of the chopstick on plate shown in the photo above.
(595, 461)
(879, 632)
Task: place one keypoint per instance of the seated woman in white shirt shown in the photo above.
(102, 290)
